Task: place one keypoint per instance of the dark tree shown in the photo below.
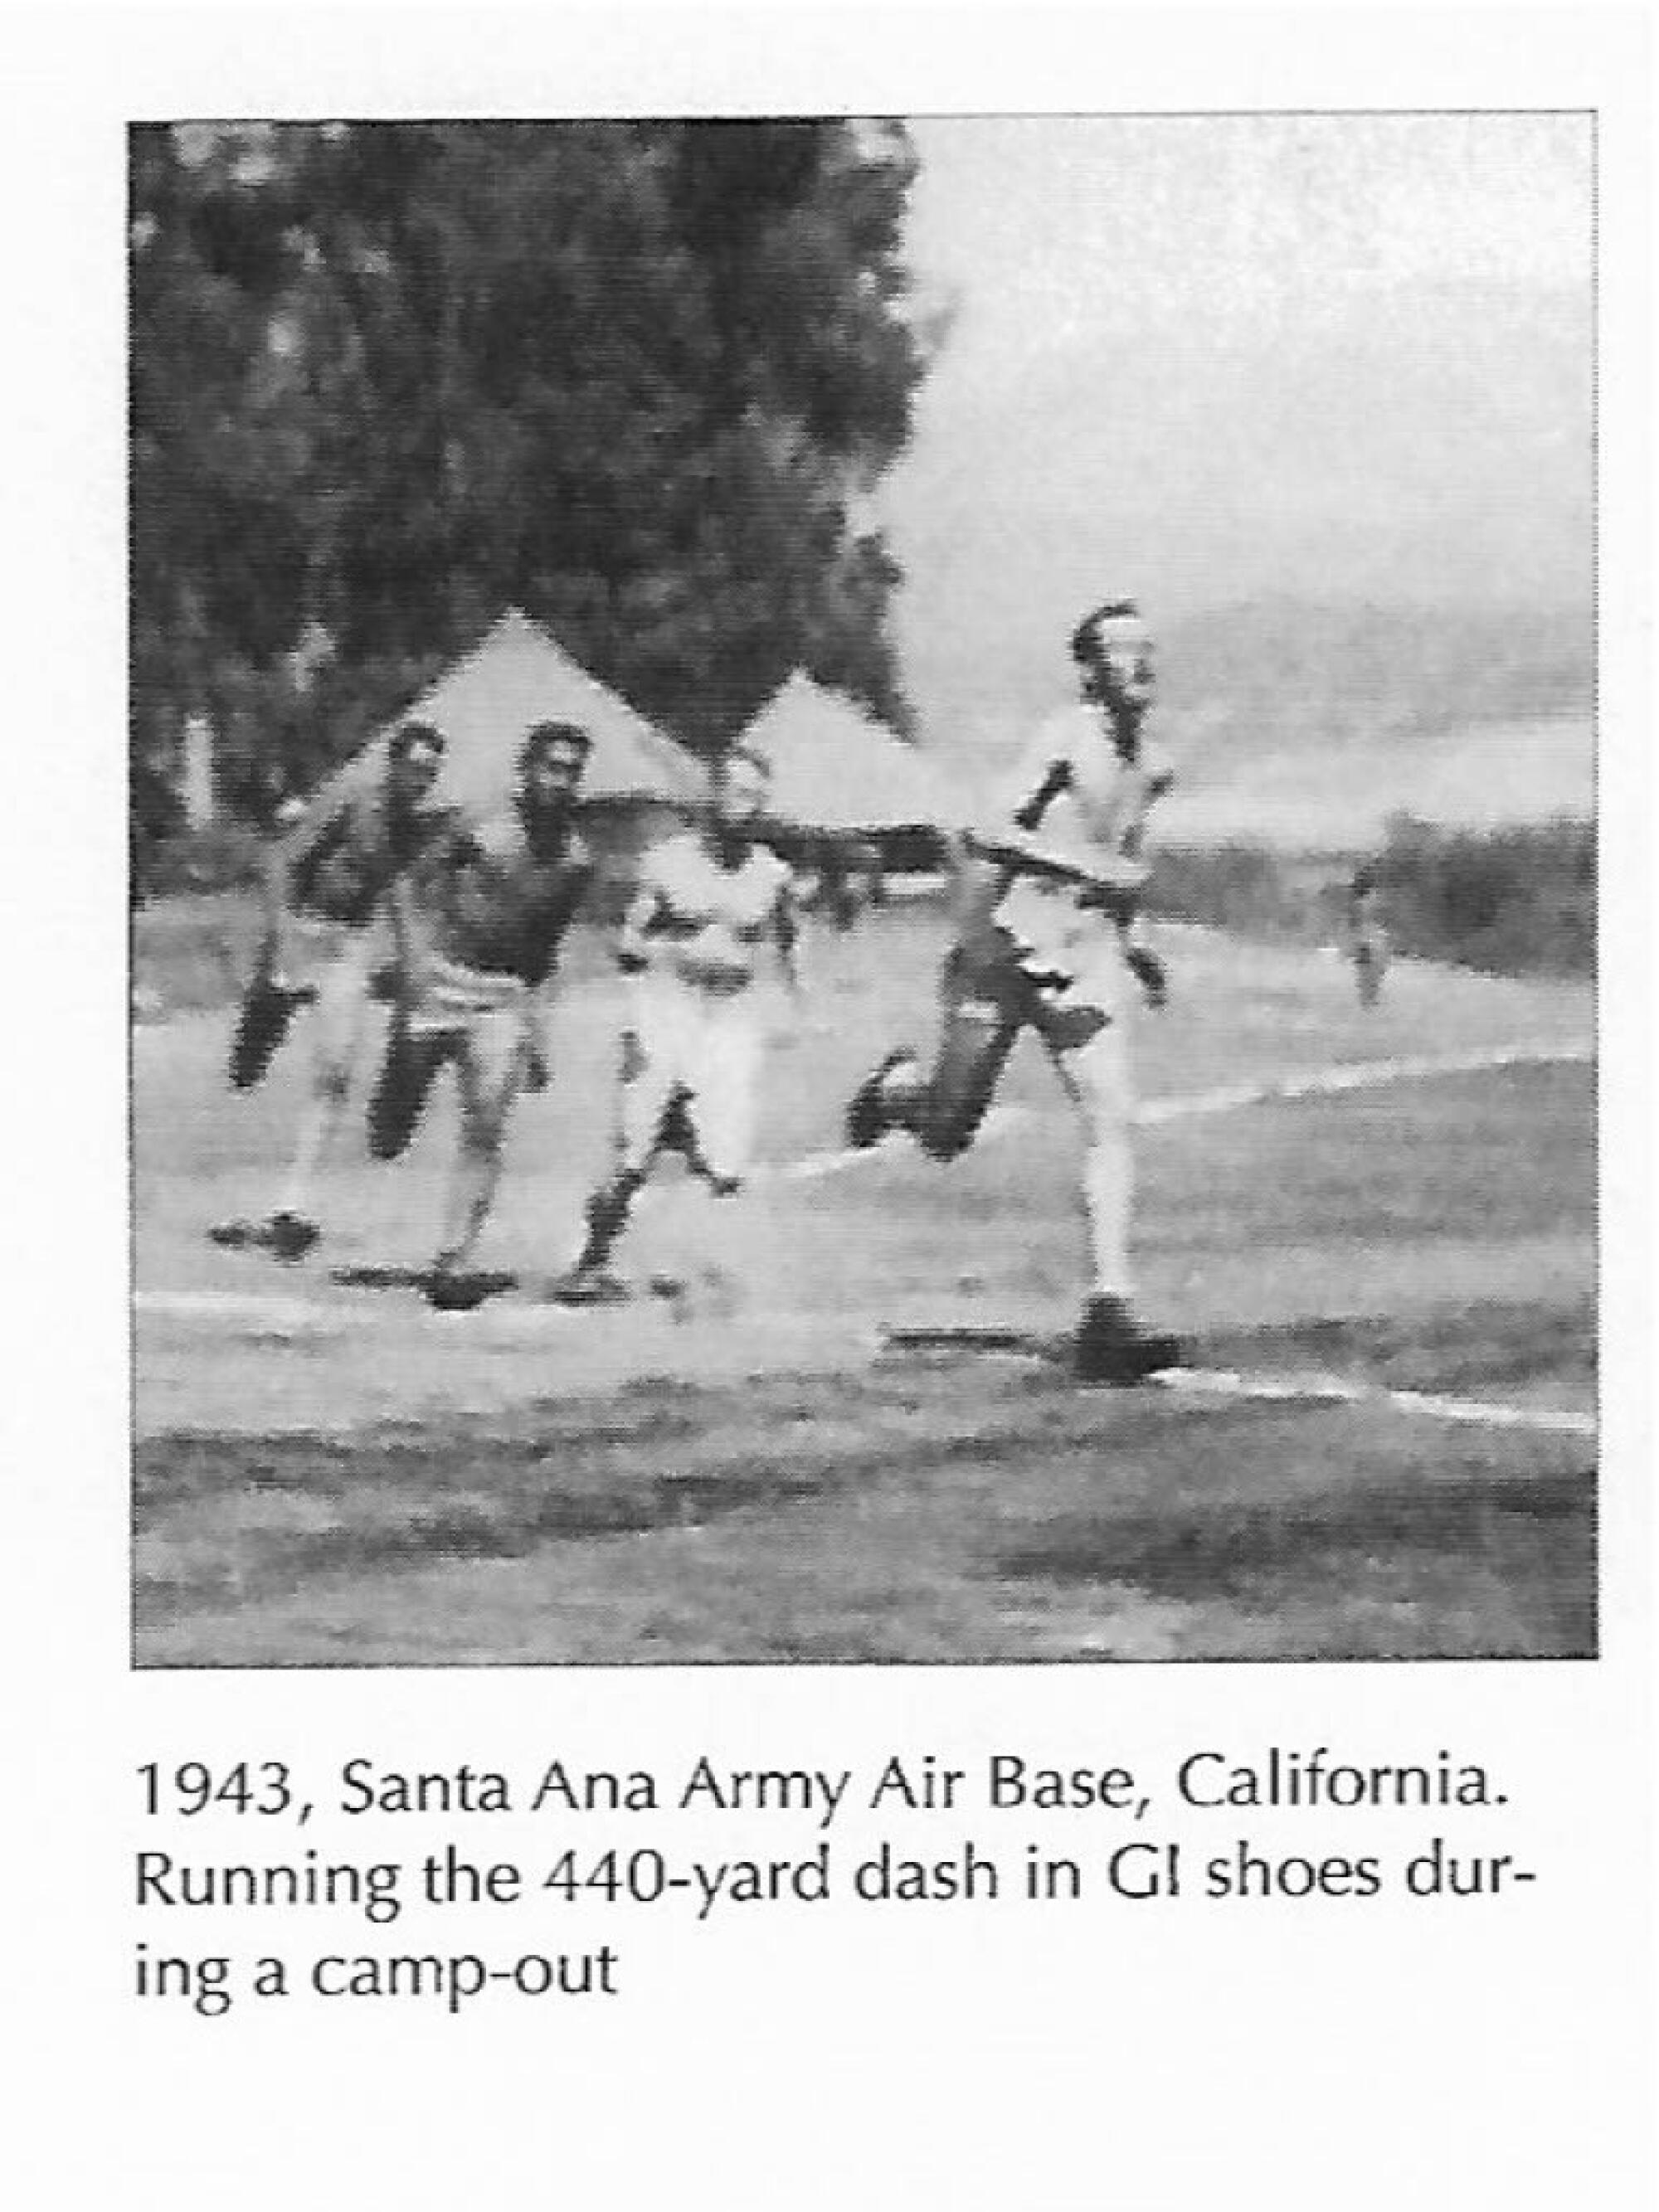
(386, 379)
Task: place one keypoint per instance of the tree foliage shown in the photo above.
(386, 379)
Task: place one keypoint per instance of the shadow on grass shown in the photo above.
(227, 1519)
(1408, 1541)
(527, 1509)
(1486, 1343)
(224, 1519)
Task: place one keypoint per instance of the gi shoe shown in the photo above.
(1111, 1346)
(238, 1235)
(289, 1235)
(462, 1290)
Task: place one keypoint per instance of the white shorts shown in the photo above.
(690, 1061)
(1075, 954)
(498, 1029)
(341, 963)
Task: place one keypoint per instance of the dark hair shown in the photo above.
(1086, 640)
(545, 735)
(411, 735)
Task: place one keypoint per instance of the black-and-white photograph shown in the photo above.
(863, 874)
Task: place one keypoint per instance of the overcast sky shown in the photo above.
(1210, 358)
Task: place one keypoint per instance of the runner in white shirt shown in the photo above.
(1050, 941)
(708, 902)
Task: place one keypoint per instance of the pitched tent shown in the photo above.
(515, 677)
(833, 767)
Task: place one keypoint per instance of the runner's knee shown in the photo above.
(945, 1136)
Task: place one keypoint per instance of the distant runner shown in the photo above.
(346, 864)
(1050, 941)
(689, 1065)
(1367, 939)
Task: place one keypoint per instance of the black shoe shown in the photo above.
(289, 1235)
(868, 1117)
(1112, 1348)
(459, 1290)
(239, 1236)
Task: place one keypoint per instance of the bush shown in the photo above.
(1251, 888)
(1512, 902)
(226, 857)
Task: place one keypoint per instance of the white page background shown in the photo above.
(1455, 2056)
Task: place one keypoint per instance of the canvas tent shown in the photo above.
(515, 677)
(833, 767)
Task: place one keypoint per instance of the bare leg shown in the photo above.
(980, 1020)
(1111, 1346)
(338, 1027)
(1096, 1078)
(489, 1072)
(607, 1217)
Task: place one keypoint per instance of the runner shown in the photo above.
(1368, 939)
(689, 1054)
(1050, 941)
(489, 914)
(344, 864)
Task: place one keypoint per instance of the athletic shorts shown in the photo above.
(1046, 962)
(689, 1070)
(342, 963)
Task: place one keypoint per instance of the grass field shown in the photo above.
(340, 1477)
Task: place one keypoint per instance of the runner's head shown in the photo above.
(415, 759)
(1112, 649)
(742, 783)
(552, 762)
